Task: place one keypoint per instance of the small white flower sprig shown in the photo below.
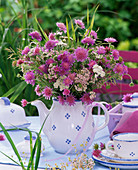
(70, 64)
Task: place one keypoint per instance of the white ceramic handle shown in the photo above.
(106, 114)
(109, 149)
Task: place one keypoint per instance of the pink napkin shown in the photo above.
(128, 123)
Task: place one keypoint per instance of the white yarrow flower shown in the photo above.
(98, 70)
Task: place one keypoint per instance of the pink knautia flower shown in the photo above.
(127, 98)
(81, 54)
(96, 152)
(66, 92)
(94, 34)
(24, 102)
(72, 76)
(63, 72)
(65, 65)
(51, 36)
(91, 64)
(79, 23)
(101, 50)
(120, 69)
(50, 44)
(61, 100)
(115, 54)
(50, 61)
(37, 90)
(86, 99)
(36, 51)
(56, 69)
(2, 137)
(110, 40)
(107, 49)
(30, 77)
(61, 27)
(70, 99)
(70, 58)
(35, 35)
(88, 41)
(67, 81)
(20, 61)
(47, 92)
(63, 56)
(42, 69)
(25, 51)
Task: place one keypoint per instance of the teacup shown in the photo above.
(125, 145)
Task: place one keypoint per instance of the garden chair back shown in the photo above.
(123, 87)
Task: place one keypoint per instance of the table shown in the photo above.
(18, 136)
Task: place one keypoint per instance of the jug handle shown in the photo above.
(106, 114)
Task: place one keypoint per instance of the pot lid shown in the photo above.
(133, 103)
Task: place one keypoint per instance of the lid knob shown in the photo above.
(4, 101)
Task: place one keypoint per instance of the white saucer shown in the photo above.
(108, 163)
(115, 158)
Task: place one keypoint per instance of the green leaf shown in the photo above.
(12, 145)
(40, 28)
(18, 91)
(67, 26)
(88, 17)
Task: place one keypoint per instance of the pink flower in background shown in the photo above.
(24, 102)
(110, 40)
(20, 61)
(115, 54)
(47, 92)
(119, 68)
(50, 44)
(61, 100)
(65, 65)
(88, 41)
(81, 54)
(61, 26)
(101, 50)
(96, 152)
(50, 61)
(25, 51)
(36, 51)
(35, 35)
(70, 100)
(127, 98)
(52, 36)
(94, 34)
(67, 81)
(72, 76)
(91, 64)
(2, 137)
(66, 92)
(42, 69)
(30, 77)
(37, 90)
(86, 99)
(79, 23)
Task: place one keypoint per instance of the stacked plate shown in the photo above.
(112, 160)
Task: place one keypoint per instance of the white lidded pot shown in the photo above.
(131, 106)
(12, 115)
(24, 146)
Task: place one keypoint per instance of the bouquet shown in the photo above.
(70, 64)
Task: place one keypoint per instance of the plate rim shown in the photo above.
(112, 163)
(118, 159)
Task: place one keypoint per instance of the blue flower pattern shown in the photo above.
(12, 110)
(67, 116)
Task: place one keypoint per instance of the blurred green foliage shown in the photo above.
(114, 18)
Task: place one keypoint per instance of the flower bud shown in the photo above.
(131, 84)
(120, 59)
